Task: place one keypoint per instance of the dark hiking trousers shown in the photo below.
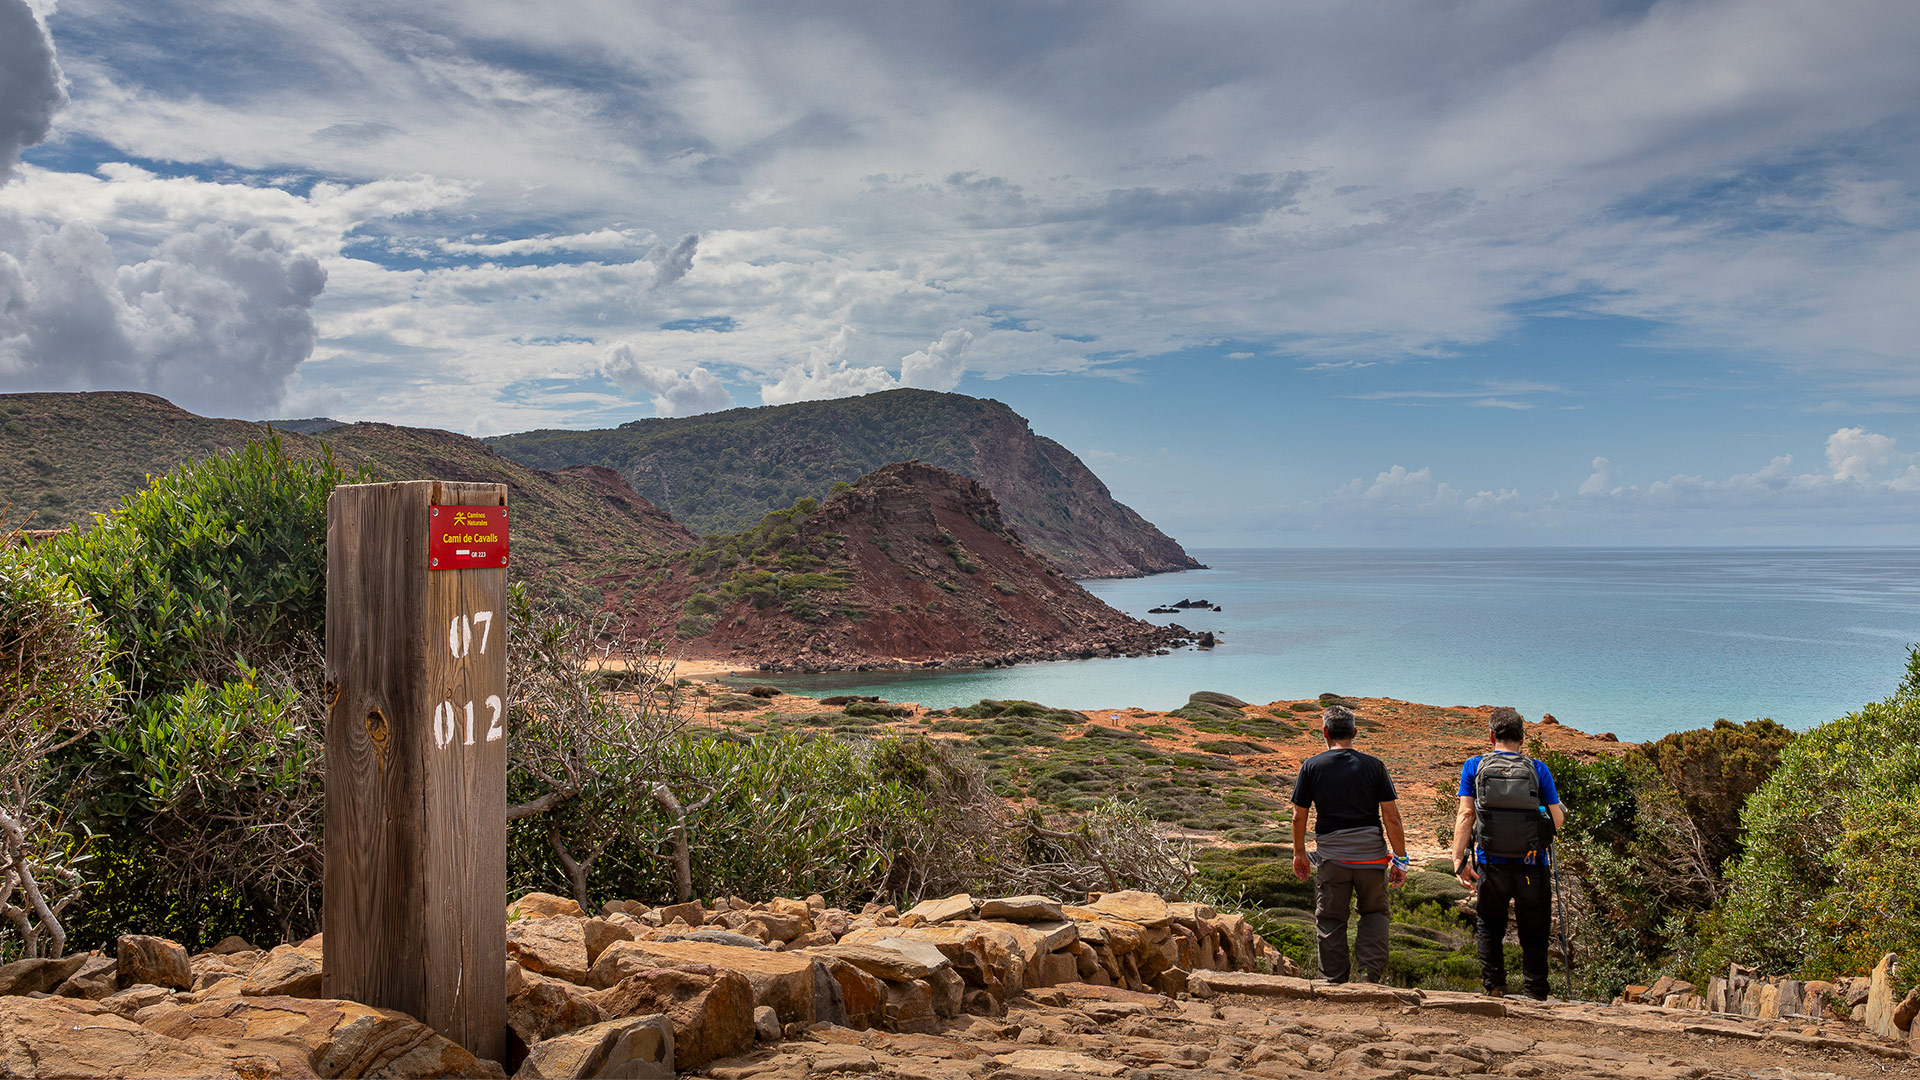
(1365, 888)
(1528, 891)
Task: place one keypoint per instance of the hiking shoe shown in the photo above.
(1492, 991)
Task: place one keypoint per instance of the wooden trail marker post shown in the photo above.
(414, 900)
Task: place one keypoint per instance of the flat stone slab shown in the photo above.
(1060, 1061)
(1022, 909)
(933, 912)
(1252, 983)
(1145, 908)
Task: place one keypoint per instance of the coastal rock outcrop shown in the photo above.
(909, 566)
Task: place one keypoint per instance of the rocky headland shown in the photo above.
(909, 566)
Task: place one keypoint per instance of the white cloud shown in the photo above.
(1601, 481)
(1856, 454)
(215, 320)
(1412, 506)
(675, 393)
(1439, 170)
(826, 374)
(939, 365)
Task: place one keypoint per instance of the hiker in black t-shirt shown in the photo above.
(1354, 796)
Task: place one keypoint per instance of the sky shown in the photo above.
(1477, 272)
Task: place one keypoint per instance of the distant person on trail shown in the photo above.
(1354, 796)
(1509, 814)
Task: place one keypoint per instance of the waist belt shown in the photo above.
(1363, 847)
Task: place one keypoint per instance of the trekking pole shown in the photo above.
(1566, 954)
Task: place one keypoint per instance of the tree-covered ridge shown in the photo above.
(721, 472)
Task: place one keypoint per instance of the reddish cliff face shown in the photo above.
(915, 566)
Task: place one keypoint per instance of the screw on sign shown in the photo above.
(467, 537)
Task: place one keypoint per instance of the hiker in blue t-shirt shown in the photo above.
(1508, 814)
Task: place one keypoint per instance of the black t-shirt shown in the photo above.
(1347, 786)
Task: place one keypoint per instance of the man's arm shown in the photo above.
(1396, 838)
(1463, 842)
(1302, 866)
(1559, 814)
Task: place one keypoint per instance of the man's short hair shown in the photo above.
(1338, 722)
(1507, 725)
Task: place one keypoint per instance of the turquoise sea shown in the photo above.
(1639, 641)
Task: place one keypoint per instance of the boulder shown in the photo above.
(780, 927)
(540, 905)
(1880, 999)
(146, 959)
(782, 980)
(130, 1001)
(287, 972)
(909, 1007)
(796, 909)
(934, 912)
(554, 945)
(39, 975)
(74, 1040)
(1022, 909)
(717, 937)
(632, 1048)
(901, 961)
(600, 933)
(210, 971)
(711, 1012)
(833, 921)
(1904, 1012)
(1793, 998)
(540, 1006)
(231, 944)
(97, 978)
(332, 1038)
(766, 1024)
(1060, 967)
(863, 995)
(690, 913)
(986, 955)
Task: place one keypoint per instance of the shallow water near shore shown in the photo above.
(1639, 642)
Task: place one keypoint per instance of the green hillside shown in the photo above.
(66, 457)
(723, 472)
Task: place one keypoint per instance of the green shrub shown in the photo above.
(1212, 697)
(222, 558)
(1826, 882)
(1714, 771)
(205, 800)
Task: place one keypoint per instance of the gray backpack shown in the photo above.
(1508, 819)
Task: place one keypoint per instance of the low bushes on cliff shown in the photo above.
(1826, 883)
(1645, 854)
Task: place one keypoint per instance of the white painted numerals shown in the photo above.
(460, 633)
(447, 727)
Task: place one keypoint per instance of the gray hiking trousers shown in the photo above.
(1365, 888)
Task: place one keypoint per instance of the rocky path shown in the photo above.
(1296, 1029)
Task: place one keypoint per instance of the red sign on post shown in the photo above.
(467, 537)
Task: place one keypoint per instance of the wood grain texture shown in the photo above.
(413, 908)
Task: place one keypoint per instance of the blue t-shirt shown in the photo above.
(1549, 796)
